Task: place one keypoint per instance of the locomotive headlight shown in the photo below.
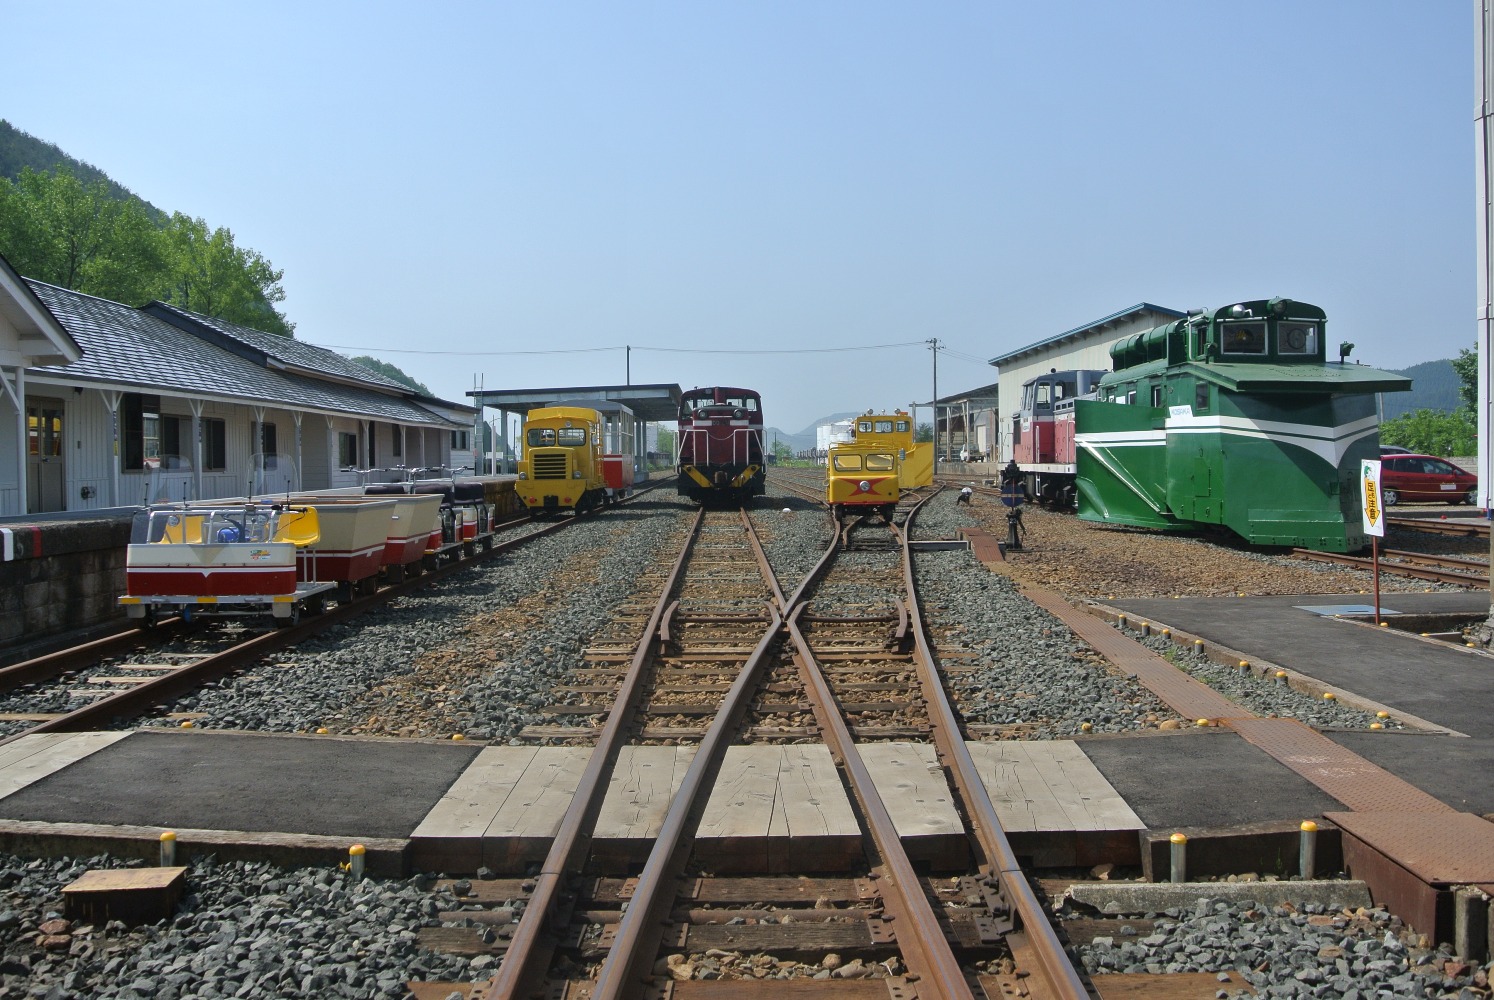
(864, 486)
(576, 474)
(523, 474)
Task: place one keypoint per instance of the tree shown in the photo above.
(782, 452)
(1433, 432)
(88, 238)
(389, 371)
(665, 441)
(925, 432)
(209, 273)
(56, 229)
(1466, 365)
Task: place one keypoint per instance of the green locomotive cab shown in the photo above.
(1233, 417)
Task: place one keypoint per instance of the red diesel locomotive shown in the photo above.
(721, 444)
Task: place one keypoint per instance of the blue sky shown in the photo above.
(443, 183)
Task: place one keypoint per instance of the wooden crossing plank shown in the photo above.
(541, 795)
(741, 804)
(473, 800)
(778, 808)
(773, 808)
(1049, 786)
(33, 757)
(918, 798)
(643, 784)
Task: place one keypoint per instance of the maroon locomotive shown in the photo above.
(721, 444)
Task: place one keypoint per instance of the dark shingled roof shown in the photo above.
(262, 347)
(131, 348)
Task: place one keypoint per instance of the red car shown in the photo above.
(1425, 479)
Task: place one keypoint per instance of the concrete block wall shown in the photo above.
(57, 576)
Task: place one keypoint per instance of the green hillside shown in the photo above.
(69, 224)
(19, 150)
(1434, 386)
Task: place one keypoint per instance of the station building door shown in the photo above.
(44, 451)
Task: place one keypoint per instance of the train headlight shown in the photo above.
(864, 486)
(523, 474)
(576, 474)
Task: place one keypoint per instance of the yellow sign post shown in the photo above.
(1374, 519)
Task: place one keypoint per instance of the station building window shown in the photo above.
(214, 444)
(140, 429)
(267, 443)
(347, 449)
(43, 431)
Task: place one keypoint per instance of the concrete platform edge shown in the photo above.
(384, 857)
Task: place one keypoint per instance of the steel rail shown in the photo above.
(923, 944)
(1450, 562)
(136, 699)
(529, 951)
(639, 933)
(1472, 529)
(60, 661)
(1055, 966)
(1395, 568)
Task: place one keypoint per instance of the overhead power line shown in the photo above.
(620, 347)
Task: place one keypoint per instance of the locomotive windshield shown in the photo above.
(846, 463)
(879, 463)
(1296, 337)
(1244, 338)
(571, 437)
(541, 437)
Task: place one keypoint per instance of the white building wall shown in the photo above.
(90, 457)
(1091, 351)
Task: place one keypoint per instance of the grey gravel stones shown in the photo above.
(243, 930)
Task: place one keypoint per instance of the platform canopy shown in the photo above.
(651, 403)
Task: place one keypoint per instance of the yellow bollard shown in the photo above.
(355, 862)
(1179, 857)
(1308, 852)
(1281, 678)
(168, 849)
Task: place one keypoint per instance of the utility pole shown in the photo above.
(934, 344)
(629, 364)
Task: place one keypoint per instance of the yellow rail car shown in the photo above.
(862, 478)
(894, 432)
(562, 465)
